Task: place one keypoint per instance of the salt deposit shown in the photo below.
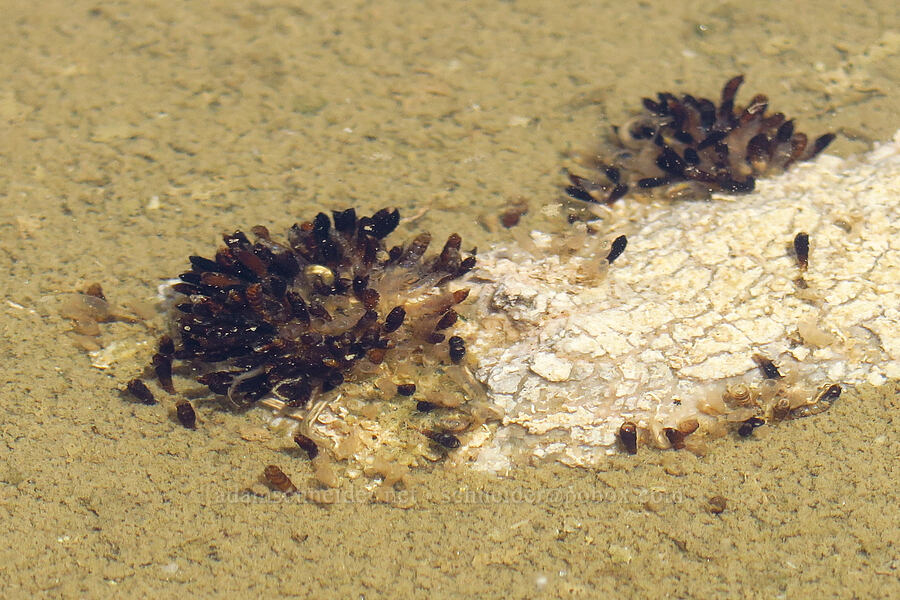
(569, 347)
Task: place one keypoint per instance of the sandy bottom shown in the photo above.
(133, 136)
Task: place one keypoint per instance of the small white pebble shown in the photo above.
(170, 569)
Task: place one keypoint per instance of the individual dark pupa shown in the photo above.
(279, 480)
(717, 505)
(617, 248)
(447, 320)
(822, 402)
(628, 437)
(139, 390)
(675, 437)
(830, 394)
(447, 440)
(162, 365)
(166, 346)
(457, 348)
(307, 445)
(688, 147)
(394, 319)
(406, 389)
(746, 428)
(185, 413)
(801, 249)
(768, 368)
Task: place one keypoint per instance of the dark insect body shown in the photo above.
(801, 249)
(406, 389)
(675, 437)
(692, 147)
(768, 368)
(821, 402)
(139, 390)
(746, 428)
(457, 348)
(162, 365)
(617, 248)
(185, 413)
(95, 290)
(717, 505)
(307, 445)
(447, 440)
(628, 437)
(830, 394)
(278, 480)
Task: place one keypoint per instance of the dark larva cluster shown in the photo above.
(691, 147)
(293, 318)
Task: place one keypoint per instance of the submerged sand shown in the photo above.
(132, 136)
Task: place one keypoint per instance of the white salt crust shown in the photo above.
(569, 353)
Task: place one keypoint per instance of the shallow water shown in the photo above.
(132, 136)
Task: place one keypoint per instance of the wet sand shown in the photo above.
(132, 136)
